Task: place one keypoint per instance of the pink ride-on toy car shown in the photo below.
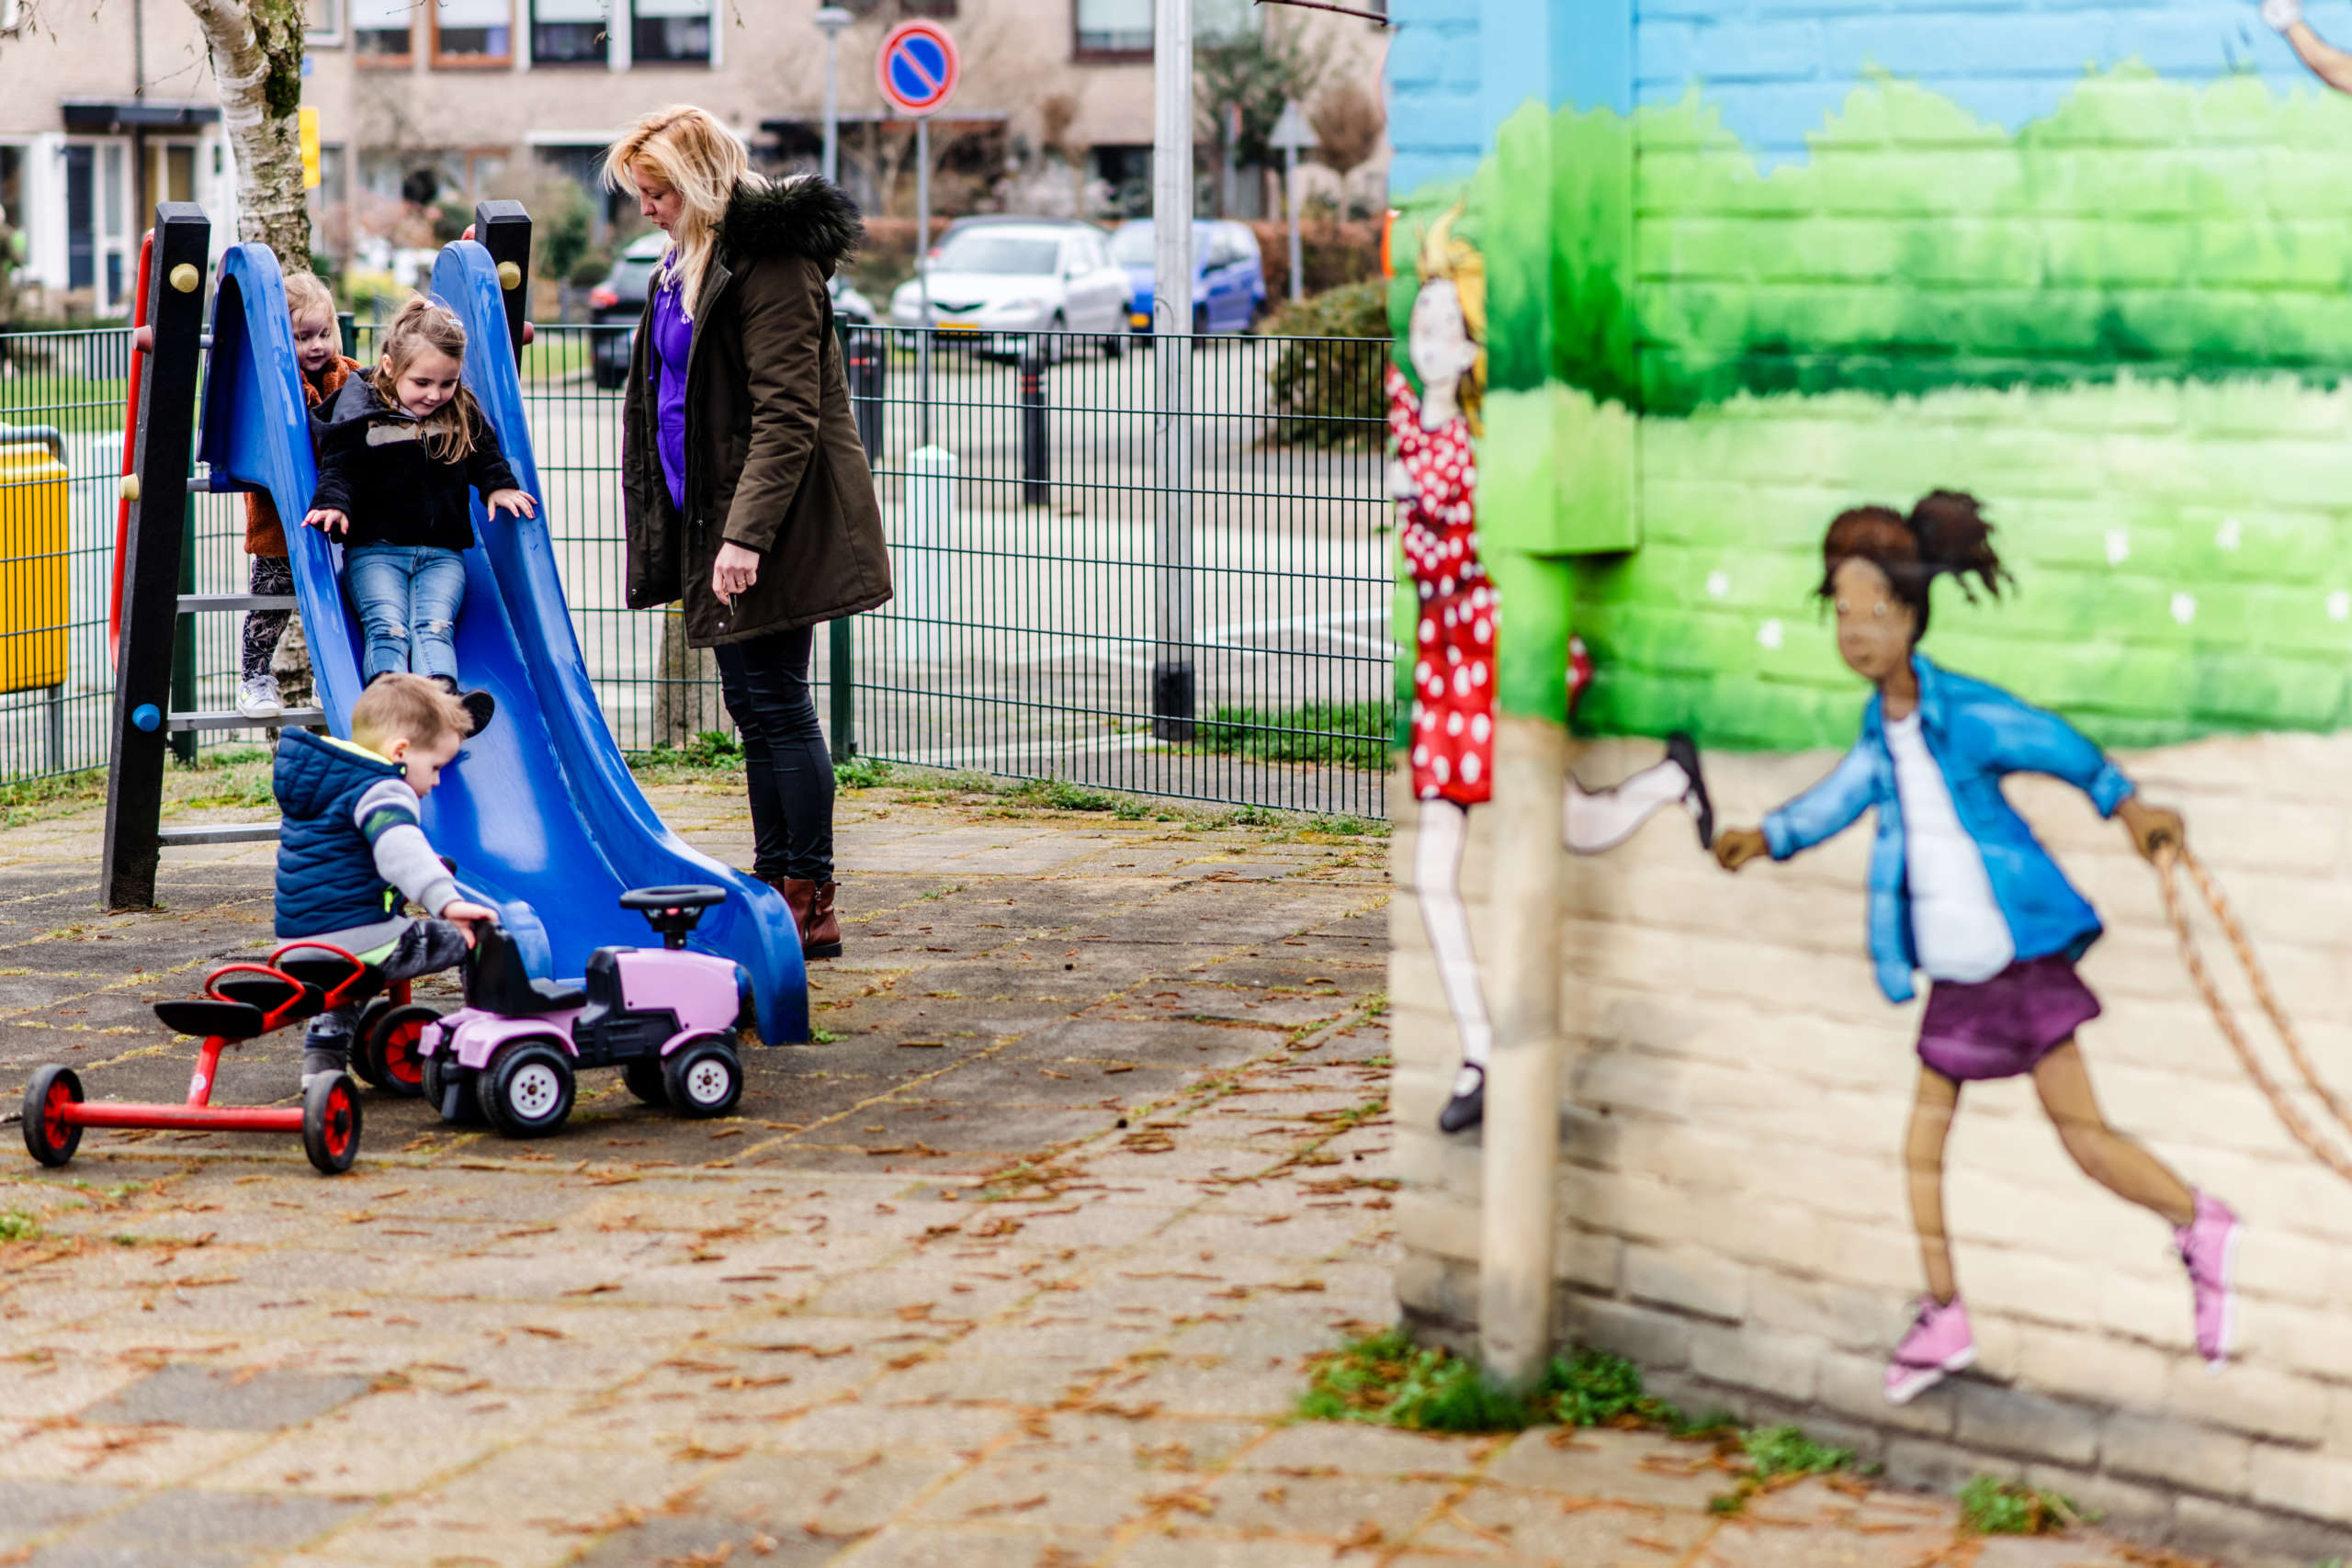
(666, 1017)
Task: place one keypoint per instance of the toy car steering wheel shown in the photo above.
(673, 911)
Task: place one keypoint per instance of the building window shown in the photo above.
(1113, 30)
(473, 32)
(323, 22)
(380, 31)
(936, 10)
(671, 32)
(570, 32)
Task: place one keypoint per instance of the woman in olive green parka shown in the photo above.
(745, 490)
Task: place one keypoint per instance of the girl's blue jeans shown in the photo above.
(407, 596)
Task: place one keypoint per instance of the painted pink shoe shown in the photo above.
(2209, 1245)
(1939, 1343)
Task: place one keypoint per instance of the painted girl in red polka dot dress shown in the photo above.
(1458, 624)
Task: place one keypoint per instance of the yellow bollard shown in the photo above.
(33, 584)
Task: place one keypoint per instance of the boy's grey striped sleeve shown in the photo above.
(387, 815)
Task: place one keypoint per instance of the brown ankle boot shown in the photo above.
(820, 935)
(812, 911)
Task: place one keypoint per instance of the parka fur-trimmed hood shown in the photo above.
(805, 215)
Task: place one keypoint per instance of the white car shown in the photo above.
(999, 280)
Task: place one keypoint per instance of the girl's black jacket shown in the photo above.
(375, 469)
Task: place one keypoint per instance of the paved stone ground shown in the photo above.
(1022, 1267)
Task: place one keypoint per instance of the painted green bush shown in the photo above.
(2160, 228)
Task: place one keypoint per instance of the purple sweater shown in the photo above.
(674, 336)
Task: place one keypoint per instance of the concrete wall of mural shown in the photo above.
(1735, 267)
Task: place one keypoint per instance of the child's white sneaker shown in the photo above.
(257, 697)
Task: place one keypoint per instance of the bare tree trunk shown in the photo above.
(256, 48)
(685, 699)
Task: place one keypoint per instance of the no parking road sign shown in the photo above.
(917, 68)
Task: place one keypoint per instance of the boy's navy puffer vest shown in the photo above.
(327, 879)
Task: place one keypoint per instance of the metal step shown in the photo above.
(220, 833)
(196, 604)
(292, 718)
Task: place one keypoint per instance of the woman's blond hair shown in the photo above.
(451, 431)
(703, 162)
(307, 296)
(1447, 257)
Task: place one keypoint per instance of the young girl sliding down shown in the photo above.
(1435, 481)
(403, 446)
(1961, 891)
(311, 310)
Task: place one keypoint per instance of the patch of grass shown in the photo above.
(1060, 795)
(1386, 1380)
(1256, 817)
(35, 800)
(17, 1225)
(713, 748)
(1343, 734)
(1990, 1506)
(861, 773)
(820, 1035)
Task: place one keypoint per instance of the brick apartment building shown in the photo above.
(106, 109)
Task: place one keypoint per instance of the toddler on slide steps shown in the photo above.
(351, 849)
(311, 310)
(402, 446)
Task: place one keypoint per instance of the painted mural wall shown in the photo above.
(1743, 267)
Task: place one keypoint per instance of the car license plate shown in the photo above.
(1139, 319)
(960, 326)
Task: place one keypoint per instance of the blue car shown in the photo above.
(1229, 275)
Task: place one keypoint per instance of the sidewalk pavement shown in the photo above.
(1022, 1266)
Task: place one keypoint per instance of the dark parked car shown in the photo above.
(619, 303)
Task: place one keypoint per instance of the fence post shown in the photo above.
(862, 356)
(1037, 441)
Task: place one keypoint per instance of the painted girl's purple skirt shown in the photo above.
(2004, 1026)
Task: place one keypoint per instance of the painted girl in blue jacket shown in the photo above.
(1961, 891)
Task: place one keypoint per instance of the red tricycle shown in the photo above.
(241, 1001)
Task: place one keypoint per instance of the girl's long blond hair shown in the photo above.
(703, 162)
(451, 431)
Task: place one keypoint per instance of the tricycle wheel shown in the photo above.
(49, 1137)
(644, 1079)
(704, 1077)
(362, 1061)
(331, 1123)
(390, 1049)
(527, 1088)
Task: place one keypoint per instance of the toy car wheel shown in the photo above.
(363, 1031)
(704, 1077)
(644, 1079)
(49, 1137)
(389, 1049)
(527, 1088)
(331, 1123)
(435, 1074)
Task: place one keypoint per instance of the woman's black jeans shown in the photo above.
(765, 681)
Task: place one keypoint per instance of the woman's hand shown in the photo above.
(1735, 847)
(734, 572)
(328, 520)
(515, 503)
(2156, 833)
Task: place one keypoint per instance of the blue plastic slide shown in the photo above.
(542, 816)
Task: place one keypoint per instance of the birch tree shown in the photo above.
(256, 48)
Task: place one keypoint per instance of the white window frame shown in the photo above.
(332, 36)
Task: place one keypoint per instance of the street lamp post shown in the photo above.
(1172, 692)
(831, 20)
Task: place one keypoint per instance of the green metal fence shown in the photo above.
(1044, 576)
